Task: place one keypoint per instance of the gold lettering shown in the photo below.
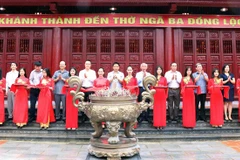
(9, 20)
(191, 21)
(76, 20)
(225, 22)
(160, 20)
(17, 21)
(152, 20)
(143, 20)
(25, 20)
(2, 21)
(171, 21)
(123, 20)
(104, 20)
(44, 20)
(96, 20)
(180, 21)
(67, 20)
(51, 20)
(88, 20)
(115, 19)
(207, 21)
(59, 21)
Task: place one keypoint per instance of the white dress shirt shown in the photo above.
(173, 83)
(91, 76)
(139, 77)
(10, 78)
(35, 77)
(119, 75)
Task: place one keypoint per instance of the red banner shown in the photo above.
(119, 20)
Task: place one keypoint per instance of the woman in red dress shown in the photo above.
(45, 113)
(215, 85)
(71, 110)
(101, 83)
(188, 110)
(20, 109)
(130, 82)
(159, 108)
(238, 91)
(2, 89)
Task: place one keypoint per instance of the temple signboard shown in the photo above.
(119, 20)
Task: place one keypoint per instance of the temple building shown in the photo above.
(129, 32)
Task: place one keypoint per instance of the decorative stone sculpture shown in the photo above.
(113, 107)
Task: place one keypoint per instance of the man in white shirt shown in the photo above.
(34, 79)
(115, 77)
(140, 75)
(87, 76)
(10, 79)
(173, 79)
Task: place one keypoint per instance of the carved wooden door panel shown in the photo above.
(212, 48)
(105, 46)
(24, 47)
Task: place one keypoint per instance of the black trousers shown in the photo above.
(145, 114)
(86, 99)
(202, 99)
(86, 96)
(58, 99)
(173, 103)
(34, 93)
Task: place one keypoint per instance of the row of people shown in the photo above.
(172, 82)
(194, 87)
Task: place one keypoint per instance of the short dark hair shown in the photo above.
(214, 70)
(47, 70)
(102, 69)
(116, 63)
(74, 70)
(38, 63)
(88, 61)
(12, 63)
(172, 63)
(197, 64)
(25, 73)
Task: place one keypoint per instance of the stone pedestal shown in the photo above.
(126, 147)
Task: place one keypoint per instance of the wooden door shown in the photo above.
(212, 48)
(105, 46)
(24, 47)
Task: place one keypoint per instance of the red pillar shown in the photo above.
(56, 56)
(160, 57)
(169, 51)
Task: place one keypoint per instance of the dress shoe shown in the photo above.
(30, 119)
(58, 119)
(149, 121)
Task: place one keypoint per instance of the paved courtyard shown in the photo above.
(202, 150)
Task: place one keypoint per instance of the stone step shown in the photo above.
(87, 125)
(145, 132)
(45, 136)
